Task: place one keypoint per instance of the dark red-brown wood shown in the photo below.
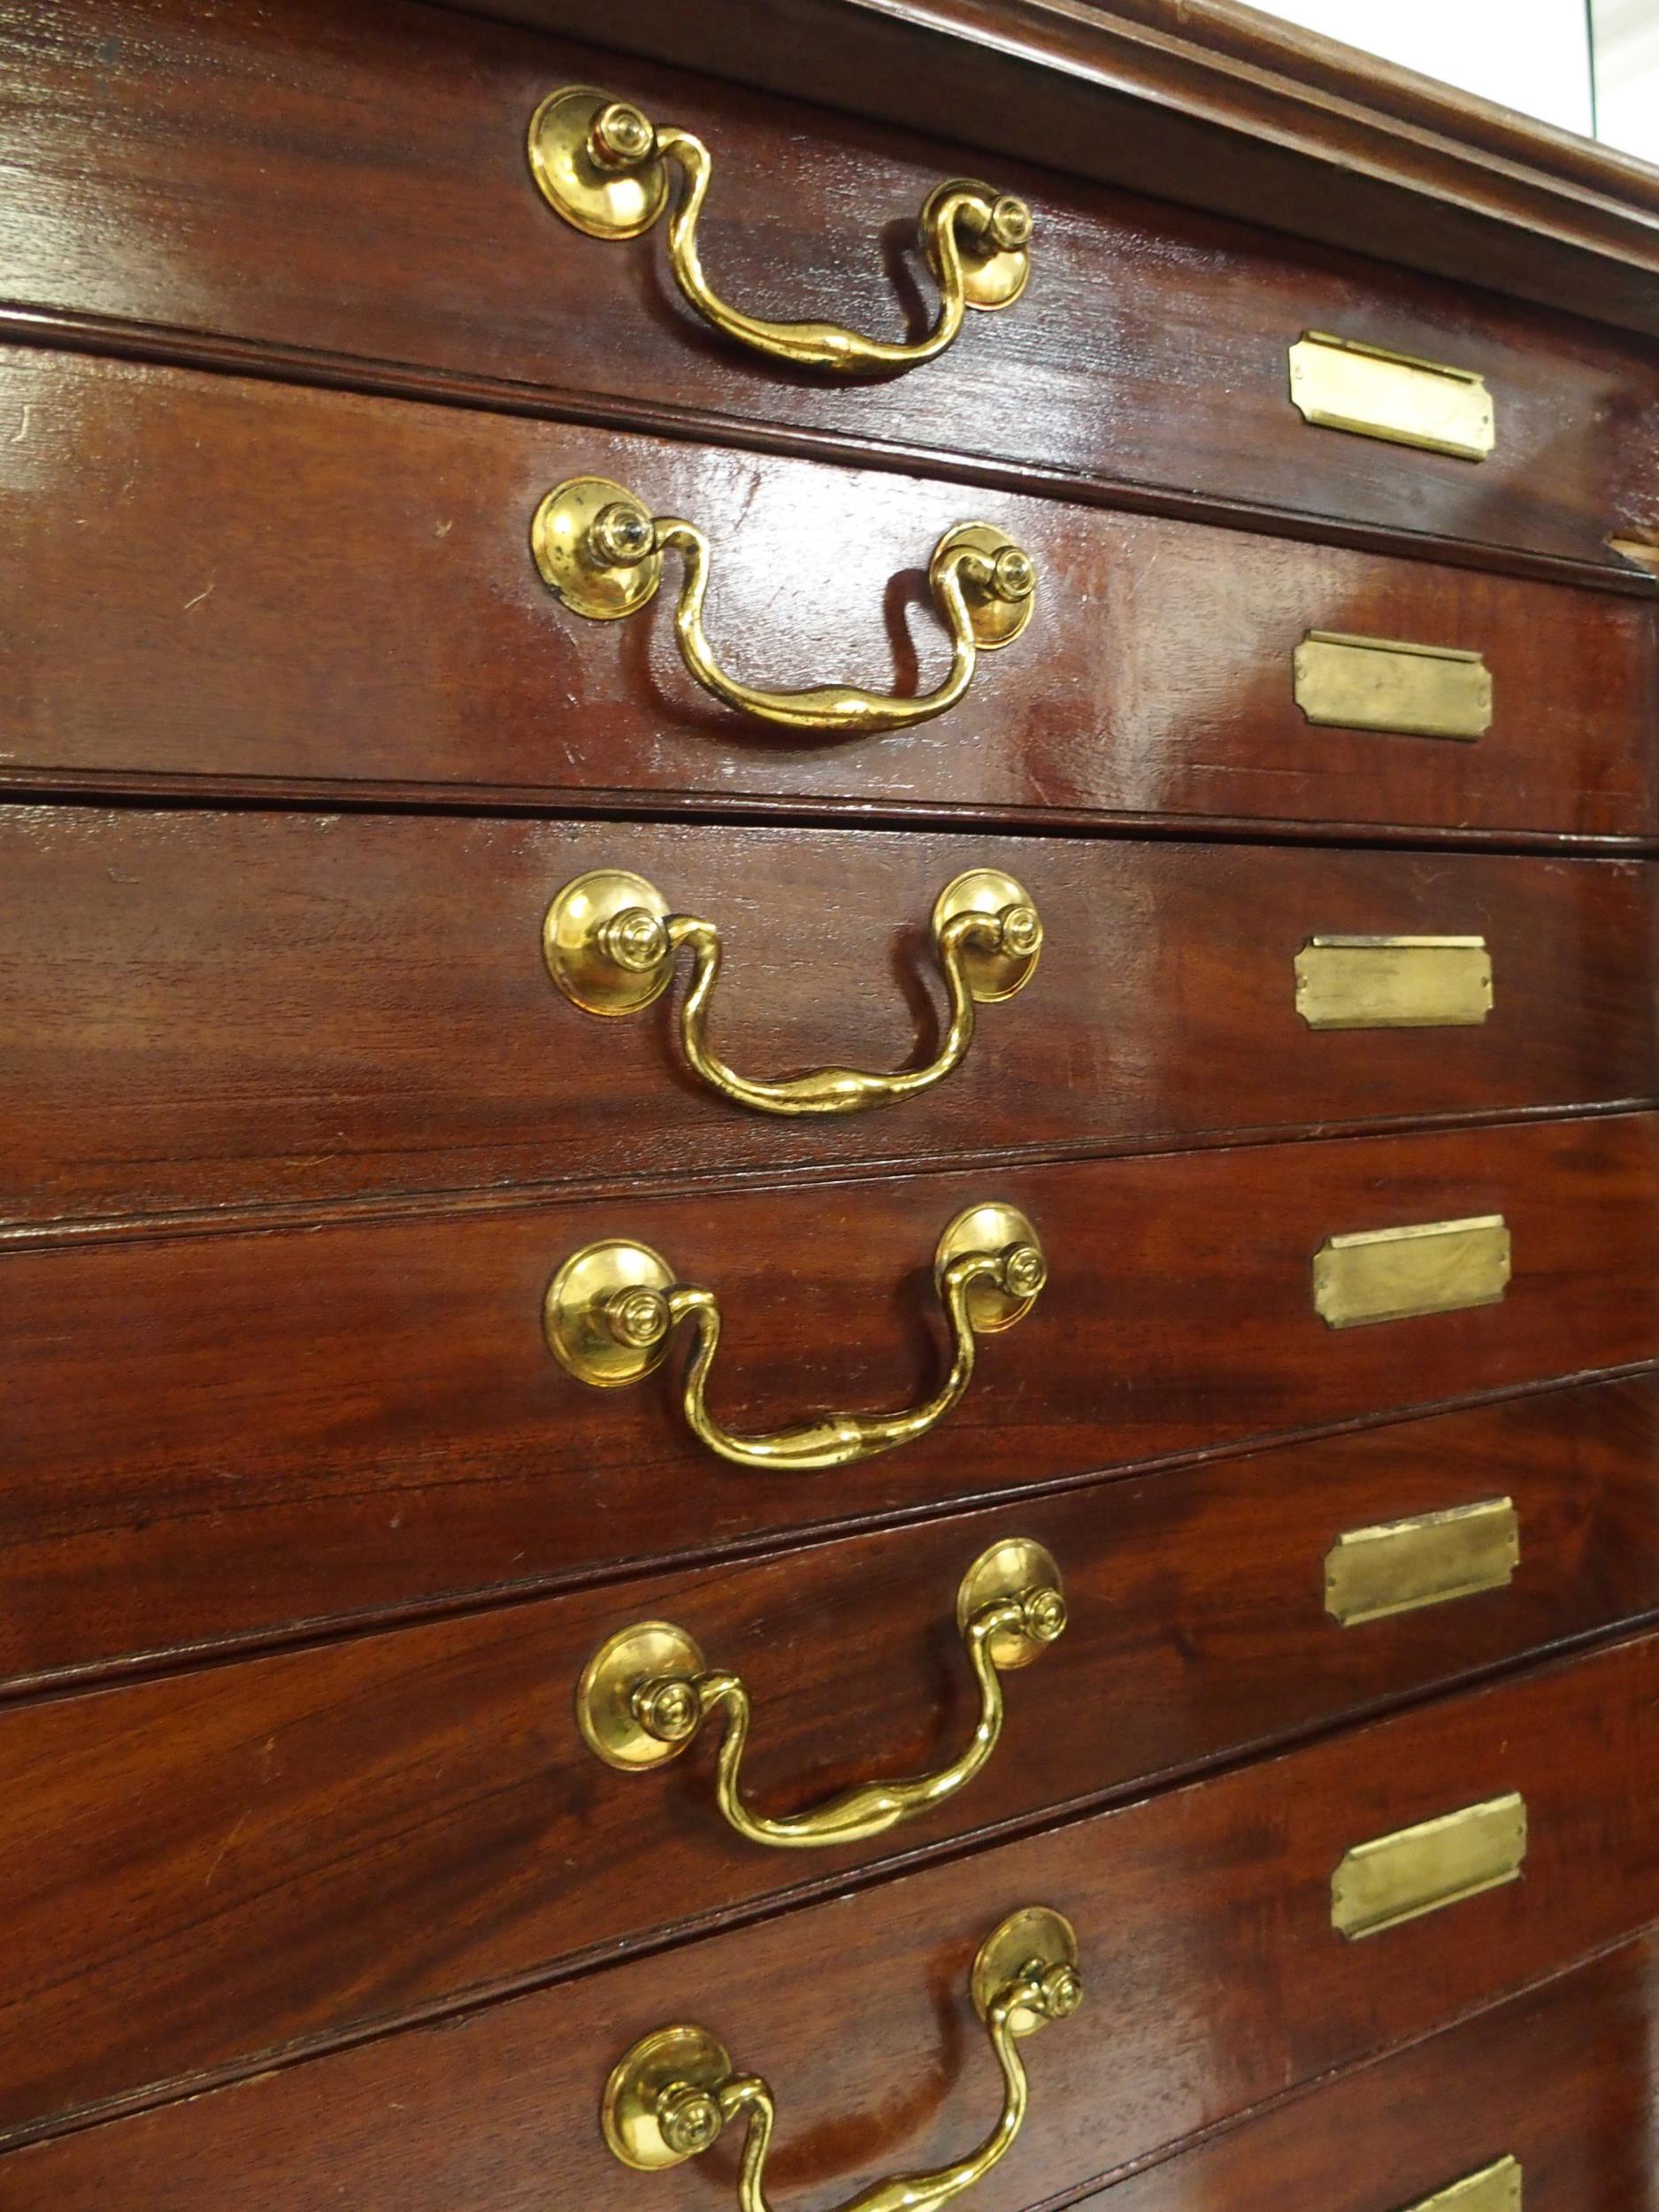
(201, 1011)
(214, 1435)
(216, 582)
(349, 191)
(1560, 2080)
(200, 1871)
(1202, 101)
(1214, 1981)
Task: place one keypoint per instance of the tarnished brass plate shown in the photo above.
(1429, 1560)
(1495, 2188)
(1394, 1878)
(1342, 384)
(1393, 982)
(1390, 1274)
(1387, 684)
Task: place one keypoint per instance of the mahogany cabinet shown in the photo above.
(829, 1163)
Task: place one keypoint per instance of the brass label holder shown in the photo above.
(1495, 2188)
(1394, 1878)
(1339, 384)
(1389, 685)
(1393, 982)
(1371, 1574)
(1374, 1275)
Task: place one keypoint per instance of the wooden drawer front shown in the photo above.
(1213, 1979)
(310, 589)
(372, 199)
(229, 1834)
(213, 1010)
(213, 1435)
(1558, 2082)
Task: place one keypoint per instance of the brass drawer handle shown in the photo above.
(600, 551)
(610, 944)
(648, 1690)
(670, 2096)
(613, 1306)
(603, 166)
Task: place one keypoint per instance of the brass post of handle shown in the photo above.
(610, 944)
(647, 1691)
(603, 166)
(600, 551)
(671, 2096)
(612, 1308)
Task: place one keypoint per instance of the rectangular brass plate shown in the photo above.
(1393, 982)
(1380, 683)
(1395, 1878)
(1400, 1565)
(1391, 1274)
(1342, 385)
(1495, 2188)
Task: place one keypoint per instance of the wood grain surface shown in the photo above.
(1559, 2079)
(217, 1435)
(204, 1010)
(1213, 1980)
(347, 191)
(273, 1853)
(1208, 102)
(215, 583)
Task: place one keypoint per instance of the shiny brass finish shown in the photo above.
(1379, 683)
(1017, 1573)
(662, 2102)
(603, 166)
(1392, 1274)
(607, 1313)
(1395, 1878)
(601, 942)
(600, 551)
(646, 1692)
(568, 555)
(1393, 982)
(610, 944)
(1372, 1573)
(1342, 385)
(997, 1296)
(613, 1306)
(1033, 1946)
(670, 2097)
(1495, 2188)
(632, 1735)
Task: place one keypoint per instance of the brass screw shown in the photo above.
(622, 535)
(1013, 575)
(1010, 224)
(1061, 1991)
(635, 939)
(1045, 1615)
(620, 137)
(668, 1710)
(638, 1318)
(1022, 931)
(1024, 1270)
(689, 2120)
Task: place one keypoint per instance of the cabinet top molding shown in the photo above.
(1204, 102)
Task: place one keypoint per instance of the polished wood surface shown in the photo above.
(218, 1435)
(1560, 2080)
(266, 1853)
(364, 1010)
(1214, 1981)
(309, 592)
(370, 165)
(1209, 103)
